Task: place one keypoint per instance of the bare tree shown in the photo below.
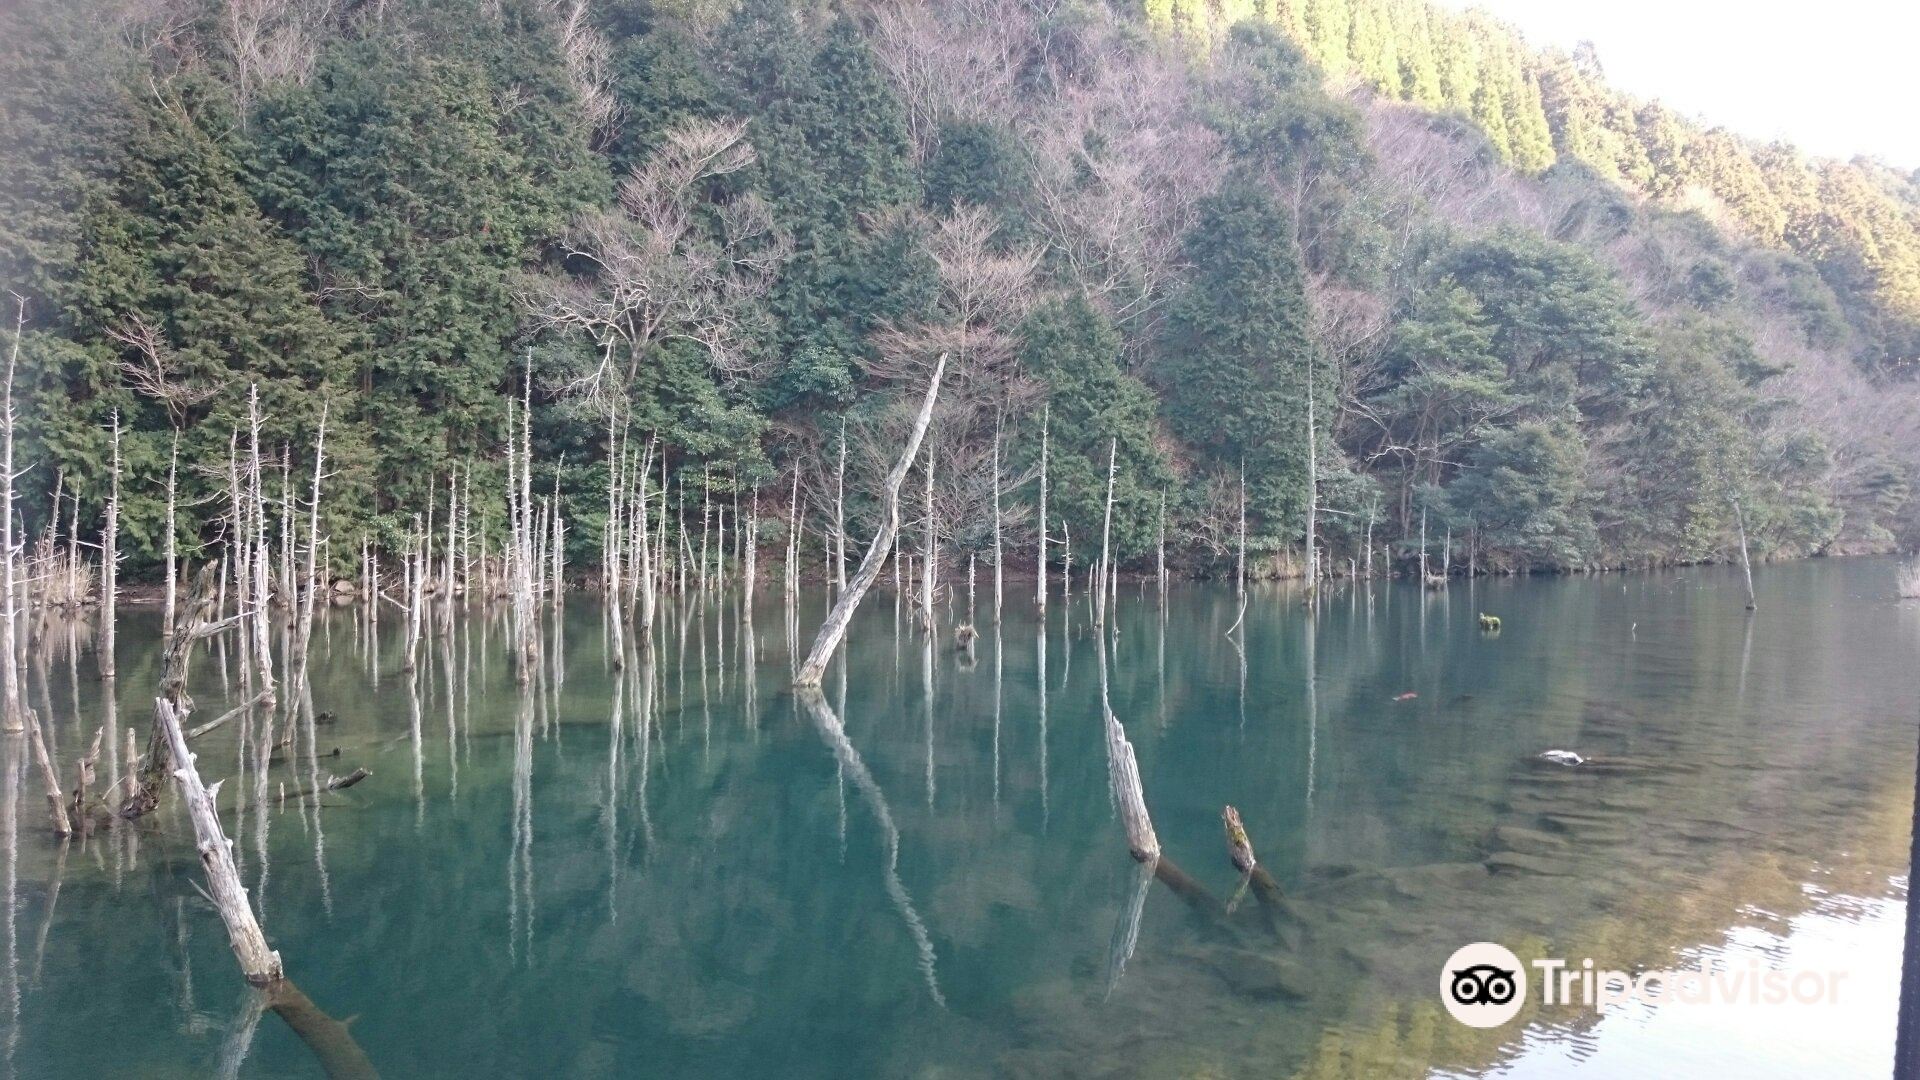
(655, 274)
(11, 718)
(269, 41)
(588, 57)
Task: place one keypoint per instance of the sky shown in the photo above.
(1833, 77)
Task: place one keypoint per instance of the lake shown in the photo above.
(681, 869)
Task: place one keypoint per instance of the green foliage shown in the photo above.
(1521, 493)
(417, 200)
(980, 164)
(1074, 351)
(834, 157)
(1236, 357)
(178, 246)
(358, 239)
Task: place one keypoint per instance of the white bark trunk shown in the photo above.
(260, 964)
(1040, 557)
(109, 564)
(1106, 542)
(835, 626)
(11, 718)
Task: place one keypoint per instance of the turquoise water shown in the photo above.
(680, 870)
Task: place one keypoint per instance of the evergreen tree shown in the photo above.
(1234, 362)
(1074, 351)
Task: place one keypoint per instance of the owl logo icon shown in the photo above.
(1483, 984)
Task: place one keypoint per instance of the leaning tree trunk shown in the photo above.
(260, 964)
(835, 626)
(1123, 772)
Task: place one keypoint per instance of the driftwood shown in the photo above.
(260, 964)
(835, 626)
(331, 783)
(196, 732)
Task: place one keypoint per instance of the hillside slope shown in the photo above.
(1394, 315)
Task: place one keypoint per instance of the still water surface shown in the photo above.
(679, 870)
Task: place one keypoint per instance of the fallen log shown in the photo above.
(331, 783)
(257, 699)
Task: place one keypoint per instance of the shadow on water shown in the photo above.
(677, 865)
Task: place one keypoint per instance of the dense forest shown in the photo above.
(1376, 279)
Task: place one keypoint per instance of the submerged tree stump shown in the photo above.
(1239, 848)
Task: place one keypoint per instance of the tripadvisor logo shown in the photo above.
(1483, 985)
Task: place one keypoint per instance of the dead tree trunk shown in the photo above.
(56, 806)
(611, 550)
(257, 558)
(1160, 551)
(835, 626)
(171, 541)
(312, 592)
(1106, 538)
(11, 719)
(258, 963)
(1123, 771)
(109, 562)
(1240, 562)
(793, 539)
(1040, 554)
(83, 777)
(1313, 486)
(930, 555)
(1746, 561)
(1239, 848)
(340, 1056)
(649, 580)
(840, 516)
(998, 561)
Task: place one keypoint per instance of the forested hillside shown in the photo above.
(1403, 279)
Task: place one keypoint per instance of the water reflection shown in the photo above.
(947, 887)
